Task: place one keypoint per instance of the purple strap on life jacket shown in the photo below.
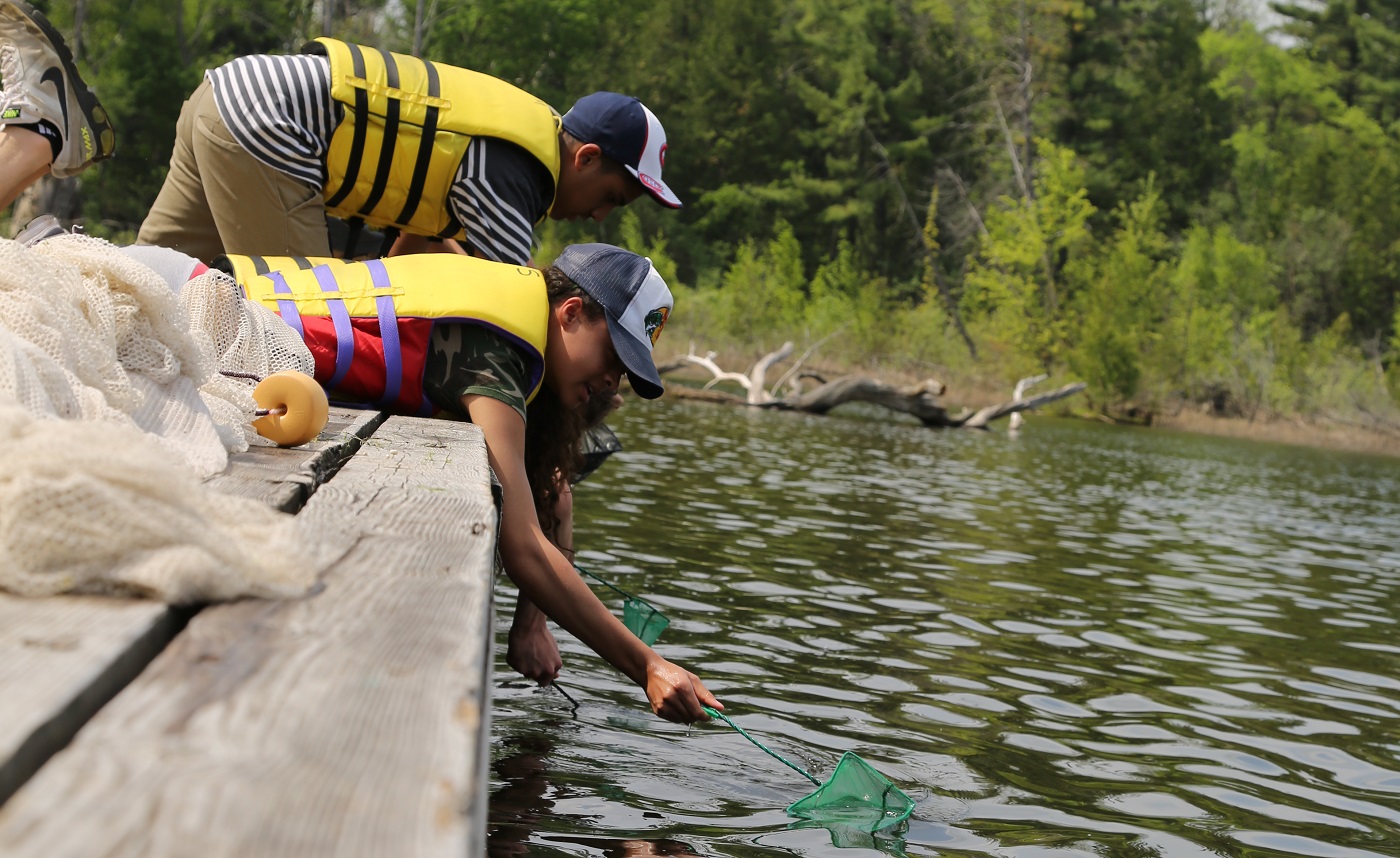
(388, 334)
(340, 317)
(285, 308)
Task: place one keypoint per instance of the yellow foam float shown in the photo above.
(294, 408)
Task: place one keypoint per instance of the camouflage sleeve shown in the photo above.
(465, 359)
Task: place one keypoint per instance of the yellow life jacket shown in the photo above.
(368, 324)
(405, 131)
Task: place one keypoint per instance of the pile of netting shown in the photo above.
(113, 410)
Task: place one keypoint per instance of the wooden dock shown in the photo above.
(353, 721)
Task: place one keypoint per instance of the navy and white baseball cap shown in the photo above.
(628, 133)
(636, 303)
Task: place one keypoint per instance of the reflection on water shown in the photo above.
(1081, 641)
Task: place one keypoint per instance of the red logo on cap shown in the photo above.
(662, 155)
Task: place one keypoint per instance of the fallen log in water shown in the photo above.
(979, 419)
(920, 400)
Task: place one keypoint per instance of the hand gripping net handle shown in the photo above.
(714, 713)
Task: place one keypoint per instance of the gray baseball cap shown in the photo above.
(635, 300)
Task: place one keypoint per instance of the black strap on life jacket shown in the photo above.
(357, 142)
(425, 150)
(454, 226)
(353, 227)
(390, 141)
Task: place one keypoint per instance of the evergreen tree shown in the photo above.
(1311, 181)
(1135, 102)
(1359, 41)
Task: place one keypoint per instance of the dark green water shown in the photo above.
(1086, 640)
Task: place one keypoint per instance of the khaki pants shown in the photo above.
(219, 199)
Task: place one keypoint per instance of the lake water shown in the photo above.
(1085, 640)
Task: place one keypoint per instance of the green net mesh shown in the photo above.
(857, 796)
(643, 620)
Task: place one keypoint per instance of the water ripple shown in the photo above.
(1083, 641)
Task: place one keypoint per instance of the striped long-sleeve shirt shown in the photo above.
(280, 110)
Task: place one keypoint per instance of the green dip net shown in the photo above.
(643, 620)
(855, 795)
(639, 616)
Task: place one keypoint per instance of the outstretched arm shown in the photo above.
(532, 650)
(548, 580)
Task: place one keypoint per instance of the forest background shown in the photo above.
(1189, 212)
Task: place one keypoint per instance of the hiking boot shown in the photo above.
(40, 82)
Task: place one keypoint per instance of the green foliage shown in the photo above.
(549, 47)
(1310, 183)
(923, 339)
(1392, 366)
(763, 291)
(1264, 351)
(1132, 66)
(1217, 285)
(632, 237)
(1014, 281)
(1119, 303)
(1358, 42)
(835, 293)
(1333, 378)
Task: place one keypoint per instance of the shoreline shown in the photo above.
(1296, 431)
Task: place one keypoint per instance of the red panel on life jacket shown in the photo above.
(365, 380)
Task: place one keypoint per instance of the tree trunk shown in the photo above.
(920, 400)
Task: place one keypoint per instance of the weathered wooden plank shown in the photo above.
(62, 659)
(350, 722)
(285, 478)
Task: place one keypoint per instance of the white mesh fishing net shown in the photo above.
(112, 411)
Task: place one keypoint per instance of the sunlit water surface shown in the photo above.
(1085, 640)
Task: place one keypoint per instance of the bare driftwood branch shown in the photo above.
(980, 419)
(752, 383)
(707, 361)
(1021, 386)
(793, 373)
(758, 394)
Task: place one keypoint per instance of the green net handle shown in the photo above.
(714, 713)
(646, 626)
(601, 580)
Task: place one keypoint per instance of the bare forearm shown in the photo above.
(527, 613)
(548, 583)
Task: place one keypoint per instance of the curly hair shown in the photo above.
(553, 433)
